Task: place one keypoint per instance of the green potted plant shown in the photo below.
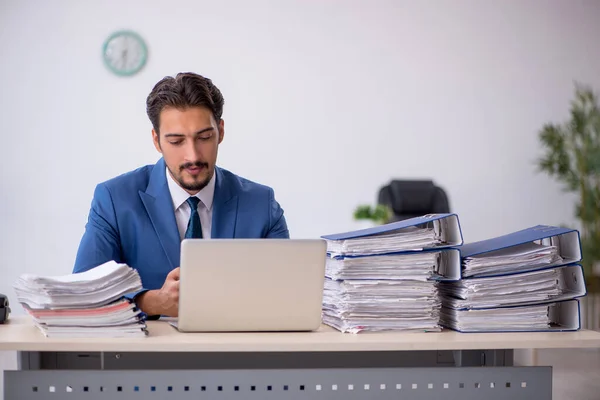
(572, 156)
(373, 215)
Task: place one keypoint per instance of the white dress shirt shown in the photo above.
(182, 208)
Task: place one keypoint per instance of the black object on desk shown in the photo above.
(4, 308)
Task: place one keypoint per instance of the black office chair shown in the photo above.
(413, 198)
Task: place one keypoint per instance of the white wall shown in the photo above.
(325, 101)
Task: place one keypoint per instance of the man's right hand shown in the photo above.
(164, 301)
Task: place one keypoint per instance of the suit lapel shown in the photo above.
(159, 205)
(225, 206)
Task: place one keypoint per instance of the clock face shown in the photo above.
(124, 53)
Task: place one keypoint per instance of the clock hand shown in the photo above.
(124, 57)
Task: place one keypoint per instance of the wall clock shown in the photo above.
(124, 53)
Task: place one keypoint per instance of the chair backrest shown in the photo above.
(413, 198)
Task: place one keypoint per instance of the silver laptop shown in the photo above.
(251, 285)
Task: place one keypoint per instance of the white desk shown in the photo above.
(314, 365)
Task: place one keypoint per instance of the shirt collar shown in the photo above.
(179, 195)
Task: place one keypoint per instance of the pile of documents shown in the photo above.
(553, 284)
(524, 281)
(528, 318)
(384, 278)
(410, 238)
(418, 266)
(90, 303)
(526, 256)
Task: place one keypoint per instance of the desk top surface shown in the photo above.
(20, 334)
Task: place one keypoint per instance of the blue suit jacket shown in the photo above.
(132, 220)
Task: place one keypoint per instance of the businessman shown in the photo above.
(140, 217)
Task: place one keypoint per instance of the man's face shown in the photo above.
(189, 141)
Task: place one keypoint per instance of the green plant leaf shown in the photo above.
(571, 155)
(363, 212)
(379, 214)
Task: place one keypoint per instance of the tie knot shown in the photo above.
(193, 203)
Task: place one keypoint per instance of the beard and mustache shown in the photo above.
(192, 186)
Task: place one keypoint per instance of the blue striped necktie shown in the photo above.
(194, 228)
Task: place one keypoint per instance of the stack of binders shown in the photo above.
(88, 304)
(524, 281)
(384, 278)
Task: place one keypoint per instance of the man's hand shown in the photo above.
(164, 301)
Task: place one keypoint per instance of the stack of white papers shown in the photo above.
(375, 305)
(90, 303)
(524, 288)
(525, 318)
(408, 239)
(417, 266)
(384, 277)
(525, 256)
(118, 319)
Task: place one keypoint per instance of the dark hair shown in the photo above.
(185, 90)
